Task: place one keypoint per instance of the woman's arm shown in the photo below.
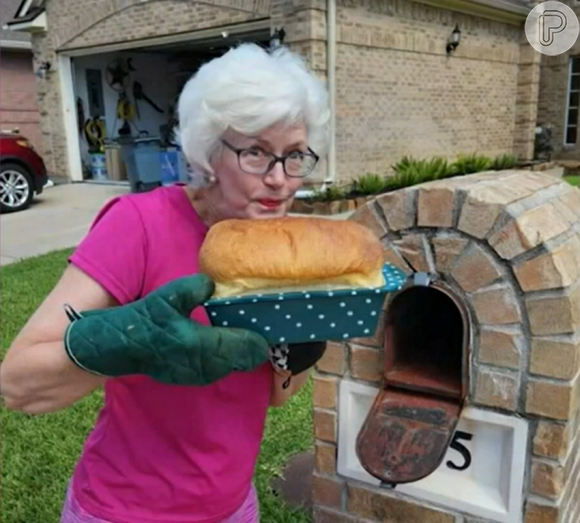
(36, 375)
(279, 395)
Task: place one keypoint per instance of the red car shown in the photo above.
(22, 172)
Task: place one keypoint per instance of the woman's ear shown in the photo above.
(201, 177)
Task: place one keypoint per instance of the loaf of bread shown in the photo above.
(281, 254)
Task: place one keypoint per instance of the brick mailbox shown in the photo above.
(463, 406)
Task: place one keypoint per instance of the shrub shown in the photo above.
(331, 194)
(369, 184)
(317, 195)
(470, 164)
(335, 192)
(438, 168)
(504, 161)
(406, 178)
(410, 172)
(404, 164)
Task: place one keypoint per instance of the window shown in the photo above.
(572, 102)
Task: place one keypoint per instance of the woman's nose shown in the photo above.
(275, 177)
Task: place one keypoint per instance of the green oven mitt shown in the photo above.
(155, 336)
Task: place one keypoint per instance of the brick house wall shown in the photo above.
(398, 93)
(18, 103)
(552, 99)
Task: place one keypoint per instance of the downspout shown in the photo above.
(331, 83)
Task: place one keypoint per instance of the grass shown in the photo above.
(39, 452)
(573, 180)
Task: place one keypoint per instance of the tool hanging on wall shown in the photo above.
(94, 133)
(117, 74)
(126, 112)
(125, 109)
(138, 94)
(118, 77)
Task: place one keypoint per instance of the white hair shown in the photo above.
(249, 89)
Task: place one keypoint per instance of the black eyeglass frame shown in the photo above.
(274, 161)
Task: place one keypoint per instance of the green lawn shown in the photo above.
(573, 180)
(39, 452)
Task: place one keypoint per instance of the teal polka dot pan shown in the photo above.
(302, 316)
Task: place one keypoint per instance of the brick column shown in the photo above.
(508, 244)
(53, 141)
(305, 24)
(527, 100)
(552, 100)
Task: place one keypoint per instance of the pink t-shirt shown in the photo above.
(161, 453)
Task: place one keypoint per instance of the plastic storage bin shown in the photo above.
(142, 158)
(174, 167)
(170, 166)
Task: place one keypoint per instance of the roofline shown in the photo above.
(499, 10)
(523, 10)
(38, 23)
(15, 44)
(22, 9)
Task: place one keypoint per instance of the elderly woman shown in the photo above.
(185, 403)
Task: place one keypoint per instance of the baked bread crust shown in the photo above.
(249, 256)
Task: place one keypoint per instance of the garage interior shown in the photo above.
(127, 99)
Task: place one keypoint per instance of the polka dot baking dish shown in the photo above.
(302, 316)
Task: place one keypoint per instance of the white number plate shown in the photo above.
(482, 473)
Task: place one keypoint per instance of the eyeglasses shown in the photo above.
(255, 160)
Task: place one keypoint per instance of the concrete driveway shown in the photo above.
(57, 219)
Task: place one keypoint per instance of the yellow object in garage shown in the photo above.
(125, 110)
(94, 132)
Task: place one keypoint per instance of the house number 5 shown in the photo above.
(462, 449)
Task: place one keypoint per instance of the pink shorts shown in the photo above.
(72, 512)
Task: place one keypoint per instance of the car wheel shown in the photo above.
(16, 188)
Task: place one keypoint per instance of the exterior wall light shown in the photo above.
(277, 39)
(454, 40)
(43, 68)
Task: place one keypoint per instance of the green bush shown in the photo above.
(471, 164)
(316, 196)
(368, 184)
(407, 178)
(334, 193)
(405, 164)
(504, 161)
(410, 171)
(331, 194)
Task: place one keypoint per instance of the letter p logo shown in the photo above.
(552, 28)
(551, 23)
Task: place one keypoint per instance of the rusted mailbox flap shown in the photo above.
(406, 434)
